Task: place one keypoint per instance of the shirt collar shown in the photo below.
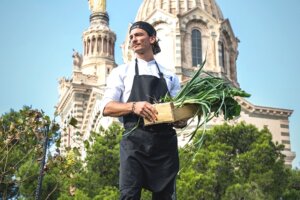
(141, 61)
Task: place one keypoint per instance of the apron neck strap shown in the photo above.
(161, 75)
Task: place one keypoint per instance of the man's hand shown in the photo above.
(180, 124)
(145, 110)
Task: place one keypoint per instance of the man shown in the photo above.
(148, 154)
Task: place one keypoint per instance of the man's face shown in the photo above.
(140, 41)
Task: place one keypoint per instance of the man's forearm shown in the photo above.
(117, 109)
(141, 108)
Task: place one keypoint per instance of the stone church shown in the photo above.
(189, 31)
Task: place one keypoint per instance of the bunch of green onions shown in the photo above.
(212, 95)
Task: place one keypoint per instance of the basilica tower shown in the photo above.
(79, 96)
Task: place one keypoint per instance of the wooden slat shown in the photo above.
(168, 114)
(165, 114)
(185, 112)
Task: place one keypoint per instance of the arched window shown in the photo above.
(196, 47)
(221, 54)
(93, 45)
(88, 46)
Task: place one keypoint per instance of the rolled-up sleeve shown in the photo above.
(114, 89)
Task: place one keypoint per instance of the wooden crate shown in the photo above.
(167, 113)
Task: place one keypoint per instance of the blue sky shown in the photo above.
(37, 38)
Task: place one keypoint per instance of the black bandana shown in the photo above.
(151, 32)
(145, 26)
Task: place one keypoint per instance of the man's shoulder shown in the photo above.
(121, 68)
(167, 72)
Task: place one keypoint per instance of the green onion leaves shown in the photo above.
(212, 95)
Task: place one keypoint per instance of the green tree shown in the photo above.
(232, 158)
(69, 177)
(249, 191)
(21, 140)
(108, 193)
(234, 162)
(58, 178)
(99, 177)
(293, 188)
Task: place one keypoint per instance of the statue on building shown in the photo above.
(77, 60)
(97, 5)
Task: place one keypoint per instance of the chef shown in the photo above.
(148, 154)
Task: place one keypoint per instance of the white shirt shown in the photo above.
(120, 80)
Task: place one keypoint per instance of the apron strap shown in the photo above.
(161, 75)
(136, 67)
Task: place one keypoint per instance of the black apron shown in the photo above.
(148, 155)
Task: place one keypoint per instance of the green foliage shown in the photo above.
(232, 157)
(28, 173)
(99, 176)
(210, 95)
(68, 177)
(58, 176)
(78, 195)
(146, 195)
(21, 139)
(293, 187)
(249, 191)
(108, 193)
(234, 162)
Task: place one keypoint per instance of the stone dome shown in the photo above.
(178, 7)
(189, 32)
